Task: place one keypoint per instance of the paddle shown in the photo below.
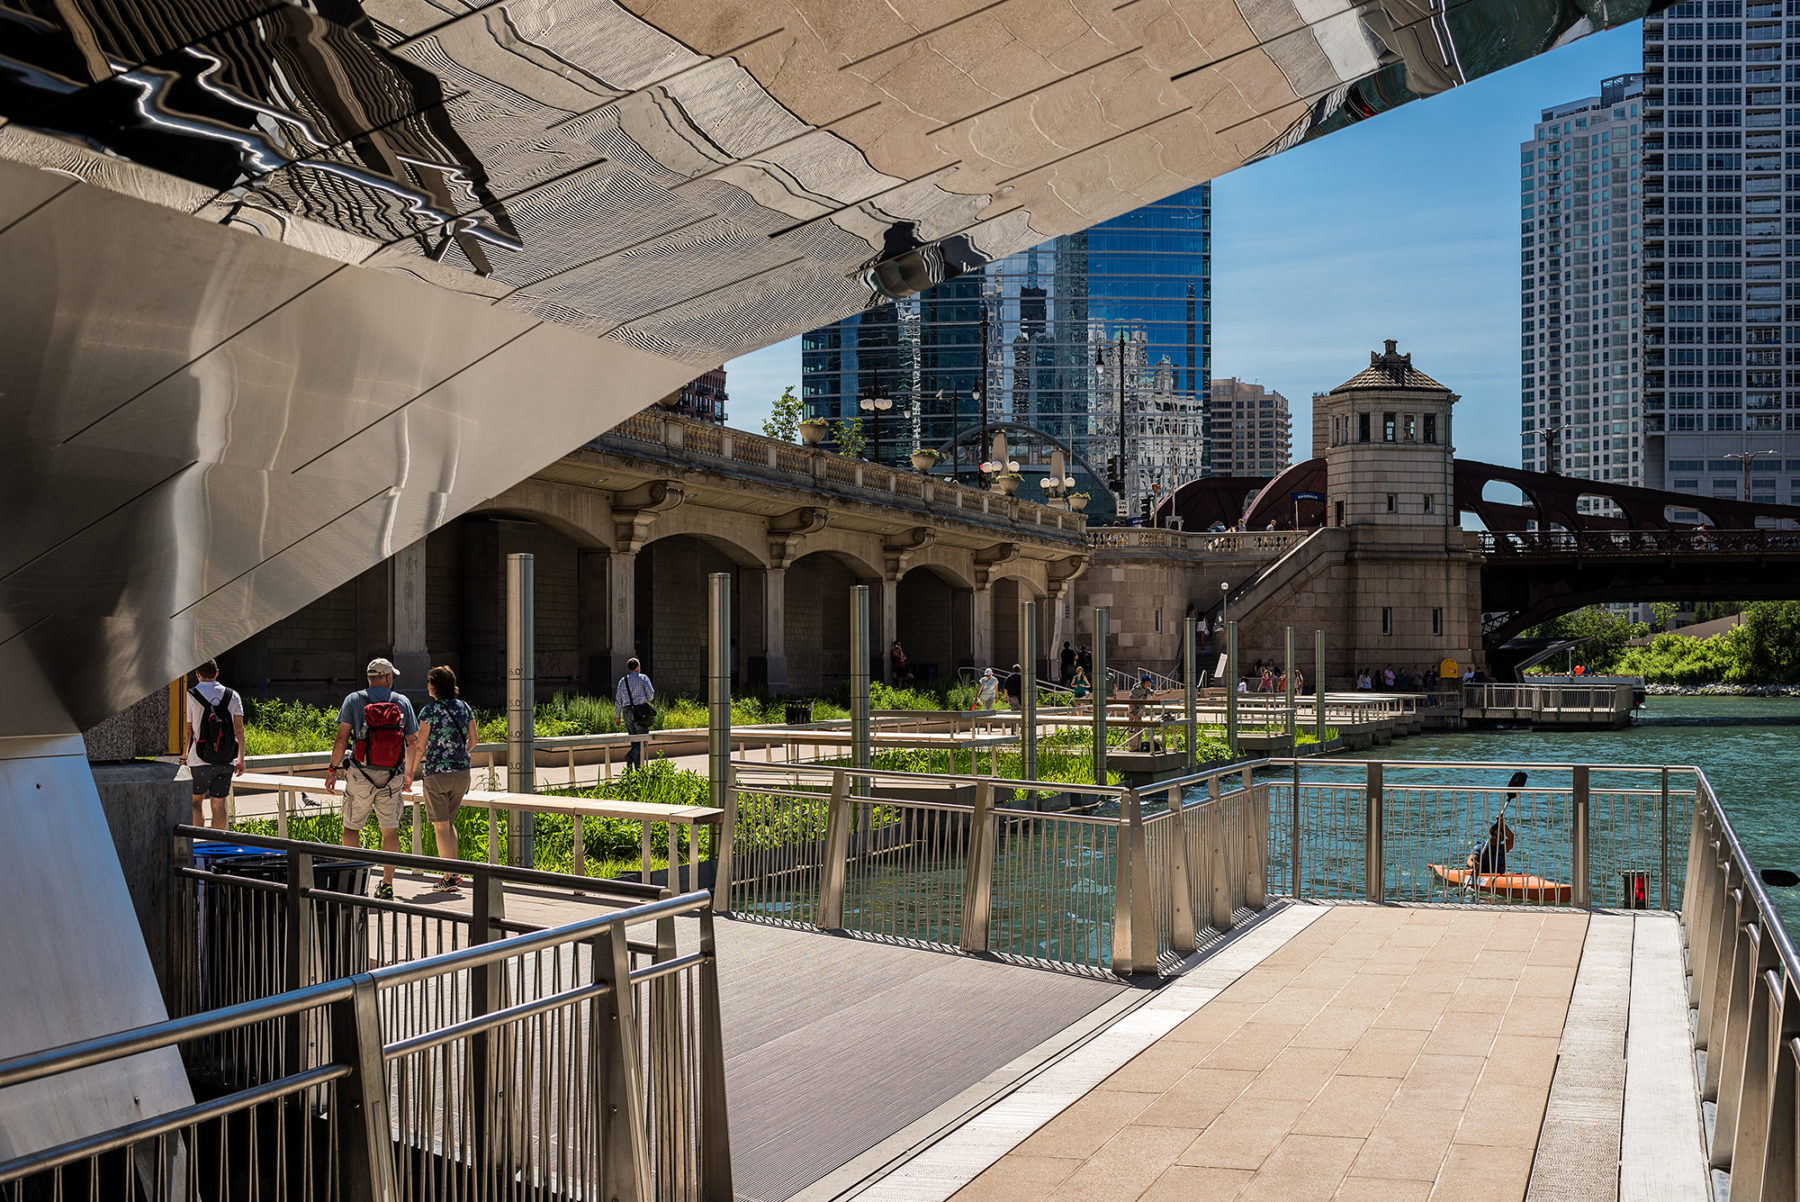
(1781, 878)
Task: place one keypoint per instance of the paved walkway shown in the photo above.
(1380, 1053)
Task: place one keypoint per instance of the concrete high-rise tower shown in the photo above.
(1721, 342)
(1580, 219)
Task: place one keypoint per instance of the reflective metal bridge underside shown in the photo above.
(283, 286)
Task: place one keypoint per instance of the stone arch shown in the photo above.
(465, 599)
(1011, 589)
(816, 617)
(671, 602)
(581, 515)
(931, 620)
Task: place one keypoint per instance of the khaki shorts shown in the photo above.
(444, 792)
(361, 796)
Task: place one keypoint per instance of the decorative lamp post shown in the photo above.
(875, 402)
(1100, 361)
(1745, 459)
(1552, 443)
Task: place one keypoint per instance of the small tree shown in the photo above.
(784, 417)
(1663, 613)
(848, 437)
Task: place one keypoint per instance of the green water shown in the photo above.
(1754, 768)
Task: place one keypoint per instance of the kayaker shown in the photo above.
(1490, 858)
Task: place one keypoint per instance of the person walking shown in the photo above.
(987, 690)
(632, 699)
(215, 741)
(1078, 687)
(897, 661)
(379, 768)
(1065, 664)
(447, 730)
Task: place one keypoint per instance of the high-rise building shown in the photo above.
(1721, 329)
(1581, 393)
(1251, 430)
(1034, 341)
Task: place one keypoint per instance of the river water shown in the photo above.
(1747, 746)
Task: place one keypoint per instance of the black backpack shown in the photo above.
(216, 740)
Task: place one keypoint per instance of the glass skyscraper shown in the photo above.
(1053, 321)
(1580, 217)
(1722, 250)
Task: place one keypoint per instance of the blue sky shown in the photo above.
(1405, 227)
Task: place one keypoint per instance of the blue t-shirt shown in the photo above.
(351, 712)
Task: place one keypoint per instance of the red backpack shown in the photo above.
(382, 745)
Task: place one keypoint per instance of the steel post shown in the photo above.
(1294, 833)
(1579, 867)
(1293, 732)
(1231, 683)
(718, 689)
(1028, 694)
(715, 1125)
(1375, 854)
(833, 868)
(1319, 686)
(625, 1158)
(859, 679)
(1134, 929)
(521, 691)
(1190, 665)
(298, 970)
(1662, 839)
(1101, 695)
(365, 1143)
(978, 872)
(724, 845)
(1180, 886)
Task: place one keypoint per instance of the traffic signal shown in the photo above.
(1115, 473)
(1144, 508)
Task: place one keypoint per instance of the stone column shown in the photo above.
(406, 594)
(760, 634)
(621, 597)
(890, 624)
(1052, 648)
(981, 625)
(593, 622)
(775, 627)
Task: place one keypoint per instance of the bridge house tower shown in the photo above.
(1388, 454)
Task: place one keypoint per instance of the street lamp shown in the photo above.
(1552, 441)
(876, 401)
(1745, 458)
(1224, 603)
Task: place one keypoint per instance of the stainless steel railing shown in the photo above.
(1122, 881)
(1399, 831)
(573, 1062)
(1741, 965)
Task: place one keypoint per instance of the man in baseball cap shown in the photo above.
(379, 769)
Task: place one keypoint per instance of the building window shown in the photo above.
(1339, 511)
(1437, 623)
(1387, 620)
(1393, 506)
(1427, 502)
(1412, 427)
(1388, 426)
(1159, 621)
(1431, 427)
(1362, 427)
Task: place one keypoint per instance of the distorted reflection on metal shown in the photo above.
(875, 402)
(400, 204)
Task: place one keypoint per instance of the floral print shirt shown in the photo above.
(445, 750)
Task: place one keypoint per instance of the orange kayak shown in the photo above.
(1507, 884)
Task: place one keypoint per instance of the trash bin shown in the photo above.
(799, 713)
(243, 932)
(340, 929)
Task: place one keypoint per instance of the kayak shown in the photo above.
(1507, 884)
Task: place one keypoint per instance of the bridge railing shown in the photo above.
(1635, 542)
(1233, 542)
(1743, 990)
(809, 466)
(1530, 700)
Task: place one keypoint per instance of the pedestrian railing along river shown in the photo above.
(344, 1048)
(1742, 985)
(1382, 831)
(1123, 879)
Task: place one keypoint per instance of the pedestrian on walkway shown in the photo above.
(1065, 664)
(447, 730)
(215, 741)
(379, 768)
(987, 690)
(632, 699)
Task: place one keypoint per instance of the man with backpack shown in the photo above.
(215, 739)
(631, 700)
(377, 727)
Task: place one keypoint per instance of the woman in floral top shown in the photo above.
(447, 730)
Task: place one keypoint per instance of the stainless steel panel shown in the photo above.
(72, 963)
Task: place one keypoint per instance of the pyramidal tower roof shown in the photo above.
(1389, 370)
